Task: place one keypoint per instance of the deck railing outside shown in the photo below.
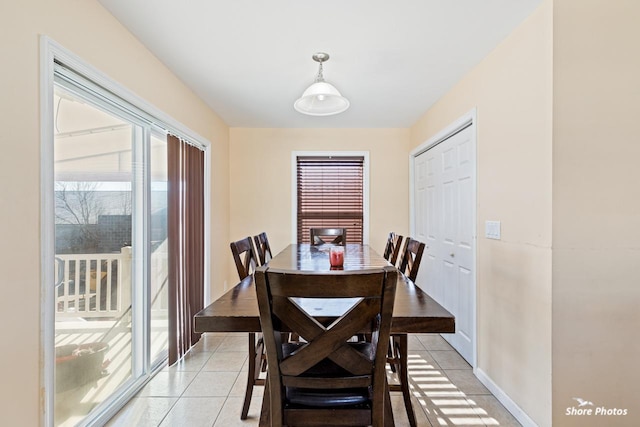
(93, 285)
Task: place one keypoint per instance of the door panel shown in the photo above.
(449, 283)
(94, 241)
(464, 320)
(426, 168)
(445, 216)
(421, 171)
(110, 252)
(465, 213)
(448, 218)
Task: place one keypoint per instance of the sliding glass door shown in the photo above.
(110, 252)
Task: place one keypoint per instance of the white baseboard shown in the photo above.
(506, 401)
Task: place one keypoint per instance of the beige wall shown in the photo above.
(511, 89)
(260, 176)
(89, 31)
(596, 210)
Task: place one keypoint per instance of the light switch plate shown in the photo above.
(492, 230)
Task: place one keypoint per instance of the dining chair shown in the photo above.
(411, 257)
(244, 256)
(392, 248)
(263, 248)
(246, 262)
(322, 236)
(324, 379)
(399, 347)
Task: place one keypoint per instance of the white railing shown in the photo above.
(99, 285)
(93, 285)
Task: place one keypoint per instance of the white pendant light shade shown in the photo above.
(321, 98)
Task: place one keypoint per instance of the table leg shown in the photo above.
(403, 374)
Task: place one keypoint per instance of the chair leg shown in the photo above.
(388, 410)
(260, 361)
(263, 363)
(255, 358)
(402, 346)
(265, 411)
(392, 356)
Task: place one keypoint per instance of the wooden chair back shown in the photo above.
(244, 257)
(411, 257)
(263, 248)
(325, 379)
(333, 236)
(392, 249)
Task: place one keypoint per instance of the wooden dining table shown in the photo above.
(237, 310)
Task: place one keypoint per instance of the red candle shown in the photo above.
(336, 256)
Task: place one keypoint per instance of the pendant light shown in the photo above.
(321, 98)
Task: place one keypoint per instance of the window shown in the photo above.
(330, 194)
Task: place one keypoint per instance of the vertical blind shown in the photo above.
(330, 192)
(186, 243)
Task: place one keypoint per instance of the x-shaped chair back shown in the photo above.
(279, 296)
(319, 236)
(244, 257)
(392, 249)
(263, 248)
(412, 255)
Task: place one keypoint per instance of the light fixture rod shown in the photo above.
(320, 77)
(320, 57)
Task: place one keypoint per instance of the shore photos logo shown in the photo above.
(582, 402)
(587, 408)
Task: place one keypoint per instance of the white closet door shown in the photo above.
(444, 219)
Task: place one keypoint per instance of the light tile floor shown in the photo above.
(206, 388)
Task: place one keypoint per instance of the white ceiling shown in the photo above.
(250, 60)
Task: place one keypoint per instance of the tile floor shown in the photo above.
(207, 389)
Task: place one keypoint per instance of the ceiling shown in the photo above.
(250, 60)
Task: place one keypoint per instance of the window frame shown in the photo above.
(294, 187)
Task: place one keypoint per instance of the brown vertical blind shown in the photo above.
(186, 243)
(330, 191)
